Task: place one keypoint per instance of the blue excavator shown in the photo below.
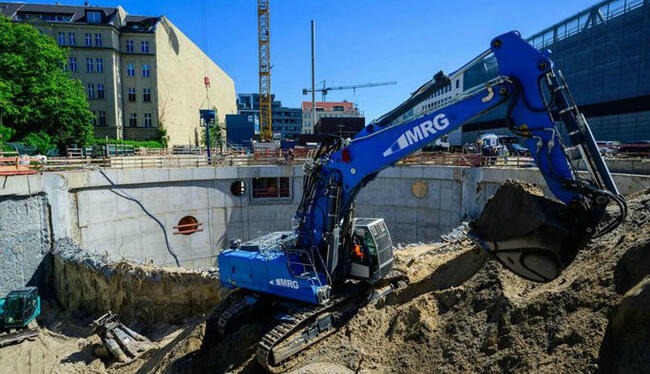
(310, 278)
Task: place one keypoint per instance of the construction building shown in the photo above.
(344, 127)
(328, 109)
(603, 51)
(241, 129)
(286, 122)
(141, 73)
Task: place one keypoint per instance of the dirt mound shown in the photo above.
(139, 294)
(463, 312)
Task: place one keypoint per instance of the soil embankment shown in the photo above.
(462, 312)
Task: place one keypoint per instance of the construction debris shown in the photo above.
(122, 342)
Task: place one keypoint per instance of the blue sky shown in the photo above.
(357, 41)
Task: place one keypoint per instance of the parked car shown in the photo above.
(608, 147)
(640, 148)
(517, 149)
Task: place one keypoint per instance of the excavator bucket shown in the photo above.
(531, 235)
(120, 341)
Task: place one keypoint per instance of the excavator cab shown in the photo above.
(20, 307)
(371, 252)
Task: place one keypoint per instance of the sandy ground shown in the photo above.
(462, 312)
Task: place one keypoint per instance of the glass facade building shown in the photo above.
(286, 122)
(604, 54)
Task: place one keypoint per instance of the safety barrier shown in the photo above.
(11, 164)
(17, 165)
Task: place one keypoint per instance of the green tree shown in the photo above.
(216, 135)
(37, 96)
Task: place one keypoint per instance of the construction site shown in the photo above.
(378, 247)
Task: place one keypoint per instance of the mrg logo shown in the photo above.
(418, 133)
(282, 282)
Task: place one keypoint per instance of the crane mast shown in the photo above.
(264, 52)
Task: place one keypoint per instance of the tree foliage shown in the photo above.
(216, 135)
(37, 96)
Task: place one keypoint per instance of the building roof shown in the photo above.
(140, 23)
(77, 13)
(329, 105)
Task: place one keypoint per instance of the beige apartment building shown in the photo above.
(140, 73)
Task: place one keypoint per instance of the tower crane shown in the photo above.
(324, 90)
(264, 52)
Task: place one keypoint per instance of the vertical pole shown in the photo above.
(207, 140)
(313, 72)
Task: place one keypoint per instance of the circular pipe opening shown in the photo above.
(238, 188)
(187, 225)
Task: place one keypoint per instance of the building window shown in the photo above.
(72, 63)
(102, 118)
(98, 40)
(146, 95)
(457, 83)
(144, 46)
(130, 70)
(145, 70)
(99, 62)
(90, 91)
(270, 188)
(94, 17)
(132, 95)
(61, 39)
(94, 120)
(89, 40)
(72, 38)
(89, 65)
(100, 90)
(129, 45)
(133, 121)
(147, 120)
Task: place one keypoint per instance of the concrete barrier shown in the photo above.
(418, 202)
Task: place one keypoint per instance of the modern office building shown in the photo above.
(140, 72)
(241, 129)
(329, 109)
(286, 122)
(604, 54)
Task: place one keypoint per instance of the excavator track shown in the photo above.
(306, 324)
(272, 355)
(18, 335)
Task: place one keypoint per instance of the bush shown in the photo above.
(135, 143)
(40, 140)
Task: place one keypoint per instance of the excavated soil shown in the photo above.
(461, 312)
(141, 294)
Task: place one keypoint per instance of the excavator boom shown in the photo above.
(307, 270)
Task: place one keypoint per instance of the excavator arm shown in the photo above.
(538, 105)
(300, 276)
(308, 262)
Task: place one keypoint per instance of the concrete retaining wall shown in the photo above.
(85, 208)
(24, 240)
